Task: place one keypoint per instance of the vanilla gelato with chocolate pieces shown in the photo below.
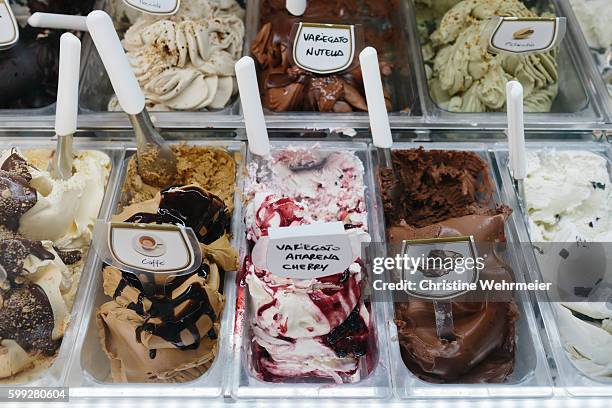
(45, 229)
(186, 61)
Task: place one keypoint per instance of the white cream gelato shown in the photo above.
(569, 199)
(66, 210)
(186, 61)
(569, 196)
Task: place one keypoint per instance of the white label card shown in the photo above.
(147, 248)
(305, 252)
(157, 7)
(9, 31)
(324, 48)
(526, 35)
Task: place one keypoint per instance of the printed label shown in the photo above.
(525, 35)
(157, 7)
(324, 48)
(9, 31)
(306, 252)
(148, 248)
(440, 268)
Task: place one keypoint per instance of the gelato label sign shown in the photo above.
(513, 35)
(148, 248)
(324, 48)
(440, 268)
(305, 252)
(156, 7)
(9, 31)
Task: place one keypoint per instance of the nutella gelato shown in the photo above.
(45, 230)
(305, 328)
(448, 194)
(287, 87)
(30, 69)
(186, 61)
(169, 334)
(463, 76)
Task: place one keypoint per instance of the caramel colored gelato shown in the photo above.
(169, 334)
(210, 167)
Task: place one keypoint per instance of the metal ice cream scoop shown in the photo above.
(156, 160)
(67, 107)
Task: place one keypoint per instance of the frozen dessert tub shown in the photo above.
(391, 29)
(574, 380)
(371, 379)
(54, 373)
(531, 374)
(34, 61)
(96, 91)
(574, 103)
(90, 372)
(584, 20)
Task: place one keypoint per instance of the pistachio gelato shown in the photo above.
(463, 75)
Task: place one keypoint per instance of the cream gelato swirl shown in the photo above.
(186, 61)
(464, 77)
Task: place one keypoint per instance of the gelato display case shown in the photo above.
(250, 315)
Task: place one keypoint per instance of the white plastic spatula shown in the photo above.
(156, 160)
(377, 108)
(516, 135)
(254, 120)
(296, 7)
(67, 107)
(58, 21)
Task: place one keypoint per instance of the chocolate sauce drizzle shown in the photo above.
(207, 215)
(16, 195)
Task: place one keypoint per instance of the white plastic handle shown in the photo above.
(115, 61)
(516, 130)
(377, 109)
(296, 7)
(58, 21)
(254, 120)
(67, 108)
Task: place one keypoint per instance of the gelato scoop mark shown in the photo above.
(448, 194)
(463, 76)
(154, 331)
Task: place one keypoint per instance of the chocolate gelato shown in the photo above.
(169, 332)
(210, 167)
(33, 64)
(286, 87)
(447, 194)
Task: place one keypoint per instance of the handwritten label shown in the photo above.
(308, 251)
(440, 268)
(147, 248)
(525, 35)
(157, 7)
(9, 31)
(324, 48)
